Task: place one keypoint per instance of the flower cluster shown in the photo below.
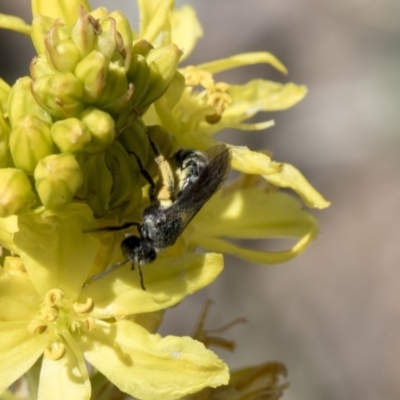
(73, 147)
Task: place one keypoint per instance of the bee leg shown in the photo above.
(166, 191)
(146, 176)
(140, 275)
(113, 228)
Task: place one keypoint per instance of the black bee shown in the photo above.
(181, 195)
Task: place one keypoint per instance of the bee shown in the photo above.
(181, 194)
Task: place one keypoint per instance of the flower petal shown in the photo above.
(19, 299)
(186, 29)
(8, 226)
(241, 60)
(252, 162)
(61, 379)
(290, 177)
(68, 10)
(167, 281)
(155, 21)
(54, 248)
(261, 95)
(18, 351)
(150, 367)
(252, 213)
(14, 24)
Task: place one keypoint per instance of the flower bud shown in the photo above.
(70, 135)
(92, 71)
(4, 92)
(101, 127)
(39, 67)
(83, 33)
(21, 102)
(40, 25)
(4, 141)
(57, 178)
(60, 95)
(139, 75)
(117, 92)
(30, 141)
(163, 63)
(16, 193)
(107, 37)
(142, 47)
(123, 28)
(61, 53)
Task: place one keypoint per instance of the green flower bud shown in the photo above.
(117, 92)
(30, 141)
(99, 13)
(97, 182)
(70, 135)
(83, 33)
(60, 95)
(4, 141)
(16, 193)
(91, 71)
(107, 37)
(39, 67)
(61, 53)
(163, 63)
(40, 25)
(101, 127)
(139, 75)
(21, 102)
(4, 92)
(123, 28)
(57, 178)
(142, 47)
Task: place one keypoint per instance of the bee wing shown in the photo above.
(193, 198)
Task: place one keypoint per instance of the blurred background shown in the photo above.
(333, 314)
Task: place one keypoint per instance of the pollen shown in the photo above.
(216, 93)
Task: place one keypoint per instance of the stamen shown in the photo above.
(55, 351)
(83, 308)
(53, 297)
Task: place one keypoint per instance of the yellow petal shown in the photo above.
(260, 95)
(252, 162)
(186, 29)
(61, 379)
(241, 60)
(14, 24)
(150, 367)
(55, 250)
(251, 213)
(18, 351)
(19, 299)
(167, 281)
(155, 21)
(290, 177)
(261, 257)
(67, 10)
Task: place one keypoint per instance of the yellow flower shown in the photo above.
(46, 311)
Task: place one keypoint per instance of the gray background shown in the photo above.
(332, 315)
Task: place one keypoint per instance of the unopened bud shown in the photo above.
(142, 47)
(163, 63)
(117, 92)
(60, 95)
(101, 127)
(57, 178)
(91, 71)
(16, 193)
(83, 33)
(61, 53)
(21, 102)
(40, 25)
(70, 135)
(4, 141)
(30, 141)
(40, 66)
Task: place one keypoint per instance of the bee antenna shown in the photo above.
(107, 271)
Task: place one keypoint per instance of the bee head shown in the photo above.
(140, 251)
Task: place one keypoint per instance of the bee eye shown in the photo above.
(130, 243)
